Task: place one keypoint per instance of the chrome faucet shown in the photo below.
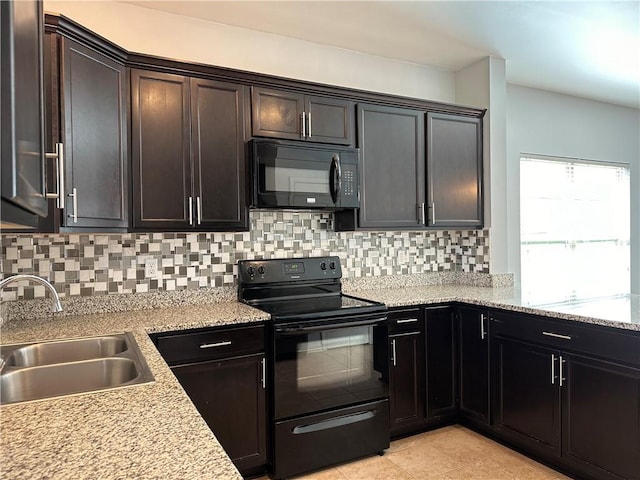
(57, 306)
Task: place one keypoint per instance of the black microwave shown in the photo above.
(304, 175)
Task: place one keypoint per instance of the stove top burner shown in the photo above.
(317, 307)
(299, 288)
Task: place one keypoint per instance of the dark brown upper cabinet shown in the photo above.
(86, 122)
(294, 116)
(454, 171)
(391, 142)
(188, 153)
(94, 135)
(404, 187)
(21, 120)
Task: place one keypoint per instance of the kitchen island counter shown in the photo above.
(149, 431)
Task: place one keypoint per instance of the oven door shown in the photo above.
(321, 365)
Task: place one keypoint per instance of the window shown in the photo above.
(574, 229)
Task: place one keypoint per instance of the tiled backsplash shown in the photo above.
(96, 264)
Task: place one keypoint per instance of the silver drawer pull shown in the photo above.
(556, 335)
(213, 345)
(393, 351)
(408, 320)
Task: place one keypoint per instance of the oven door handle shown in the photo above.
(334, 422)
(327, 326)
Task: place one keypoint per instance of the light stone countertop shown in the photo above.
(619, 312)
(149, 431)
(153, 431)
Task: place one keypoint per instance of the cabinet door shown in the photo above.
(217, 132)
(230, 396)
(601, 418)
(329, 120)
(473, 366)
(391, 142)
(454, 170)
(160, 151)
(21, 120)
(527, 400)
(441, 362)
(406, 382)
(276, 113)
(94, 133)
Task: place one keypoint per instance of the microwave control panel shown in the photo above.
(349, 186)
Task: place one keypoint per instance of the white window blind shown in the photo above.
(574, 229)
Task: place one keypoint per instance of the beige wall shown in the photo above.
(158, 33)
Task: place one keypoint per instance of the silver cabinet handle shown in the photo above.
(264, 373)
(213, 345)
(304, 125)
(422, 213)
(553, 369)
(433, 213)
(191, 211)
(59, 158)
(393, 351)
(309, 115)
(407, 320)
(198, 210)
(556, 335)
(483, 332)
(74, 196)
(562, 362)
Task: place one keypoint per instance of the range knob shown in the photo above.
(261, 270)
(323, 266)
(332, 265)
(251, 271)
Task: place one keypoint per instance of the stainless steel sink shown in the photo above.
(69, 367)
(47, 353)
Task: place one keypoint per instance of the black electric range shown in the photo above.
(327, 363)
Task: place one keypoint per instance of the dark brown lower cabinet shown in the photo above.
(527, 403)
(406, 382)
(473, 364)
(569, 408)
(601, 418)
(422, 370)
(230, 397)
(441, 363)
(406, 371)
(223, 372)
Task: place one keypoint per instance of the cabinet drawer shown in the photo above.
(212, 344)
(568, 335)
(405, 320)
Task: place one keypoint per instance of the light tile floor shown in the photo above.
(449, 453)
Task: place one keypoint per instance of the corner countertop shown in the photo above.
(149, 431)
(153, 431)
(617, 312)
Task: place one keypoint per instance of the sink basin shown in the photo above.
(32, 383)
(47, 353)
(70, 367)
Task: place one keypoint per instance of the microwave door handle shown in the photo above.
(335, 175)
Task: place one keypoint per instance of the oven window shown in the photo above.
(335, 367)
(295, 180)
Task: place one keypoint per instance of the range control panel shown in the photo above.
(289, 269)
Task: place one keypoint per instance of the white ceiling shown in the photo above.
(584, 48)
